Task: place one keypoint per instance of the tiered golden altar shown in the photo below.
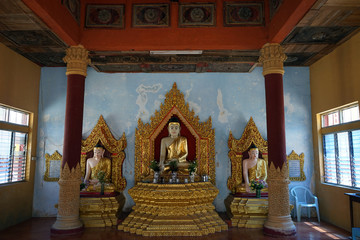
(248, 212)
(99, 210)
(173, 210)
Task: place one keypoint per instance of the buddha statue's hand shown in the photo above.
(247, 188)
(161, 165)
(94, 181)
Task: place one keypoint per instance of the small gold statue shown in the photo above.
(98, 163)
(174, 148)
(253, 168)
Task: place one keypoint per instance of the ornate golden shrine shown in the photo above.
(147, 134)
(238, 148)
(174, 209)
(114, 148)
(248, 212)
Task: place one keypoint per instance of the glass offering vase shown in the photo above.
(258, 193)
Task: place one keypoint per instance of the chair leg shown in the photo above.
(308, 212)
(318, 214)
(298, 213)
(295, 210)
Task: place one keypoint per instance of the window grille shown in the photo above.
(13, 144)
(341, 149)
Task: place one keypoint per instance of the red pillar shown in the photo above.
(275, 119)
(279, 222)
(73, 120)
(67, 221)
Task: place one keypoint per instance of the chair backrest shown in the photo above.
(302, 194)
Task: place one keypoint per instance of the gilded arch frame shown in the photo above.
(293, 156)
(237, 147)
(56, 156)
(102, 133)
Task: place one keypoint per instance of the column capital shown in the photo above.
(272, 57)
(77, 59)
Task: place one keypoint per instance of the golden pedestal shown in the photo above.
(248, 212)
(99, 210)
(173, 210)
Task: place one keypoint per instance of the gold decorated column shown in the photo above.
(67, 221)
(279, 221)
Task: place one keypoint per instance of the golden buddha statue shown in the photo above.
(253, 168)
(98, 163)
(174, 148)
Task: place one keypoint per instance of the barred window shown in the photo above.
(13, 144)
(341, 146)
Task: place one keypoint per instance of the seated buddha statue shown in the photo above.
(174, 148)
(253, 168)
(98, 163)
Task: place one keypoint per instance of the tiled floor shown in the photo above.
(39, 229)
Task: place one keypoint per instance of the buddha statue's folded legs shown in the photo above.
(182, 168)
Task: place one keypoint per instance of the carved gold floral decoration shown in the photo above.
(272, 58)
(278, 182)
(77, 60)
(69, 191)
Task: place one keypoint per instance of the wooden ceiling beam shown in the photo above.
(287, 17)
(57, 18)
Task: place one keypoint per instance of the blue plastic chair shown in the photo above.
(304, 198)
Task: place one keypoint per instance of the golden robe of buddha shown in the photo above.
(253, 168)
(95, 165)
(174, 148)
(104, 165)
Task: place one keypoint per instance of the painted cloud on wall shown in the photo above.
(289, 107)
(142, 99)
(223, 113)
(196, 107)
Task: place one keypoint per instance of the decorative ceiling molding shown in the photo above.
(197, 15)
(105, 16)
(326, 25)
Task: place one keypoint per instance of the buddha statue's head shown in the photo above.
(174, 127)
(253, 151)
(99, 151)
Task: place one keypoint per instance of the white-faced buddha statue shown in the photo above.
(98, 163)
(253, 168)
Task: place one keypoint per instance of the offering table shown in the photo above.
(173, 210)
(99, 210)
(247, 212)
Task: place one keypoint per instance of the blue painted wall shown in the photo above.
(229, 98)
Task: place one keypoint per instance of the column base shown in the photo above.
(277, 226)
(69, 232)
(67, 226)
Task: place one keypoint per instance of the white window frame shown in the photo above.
(20, 128)
(338, 128)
